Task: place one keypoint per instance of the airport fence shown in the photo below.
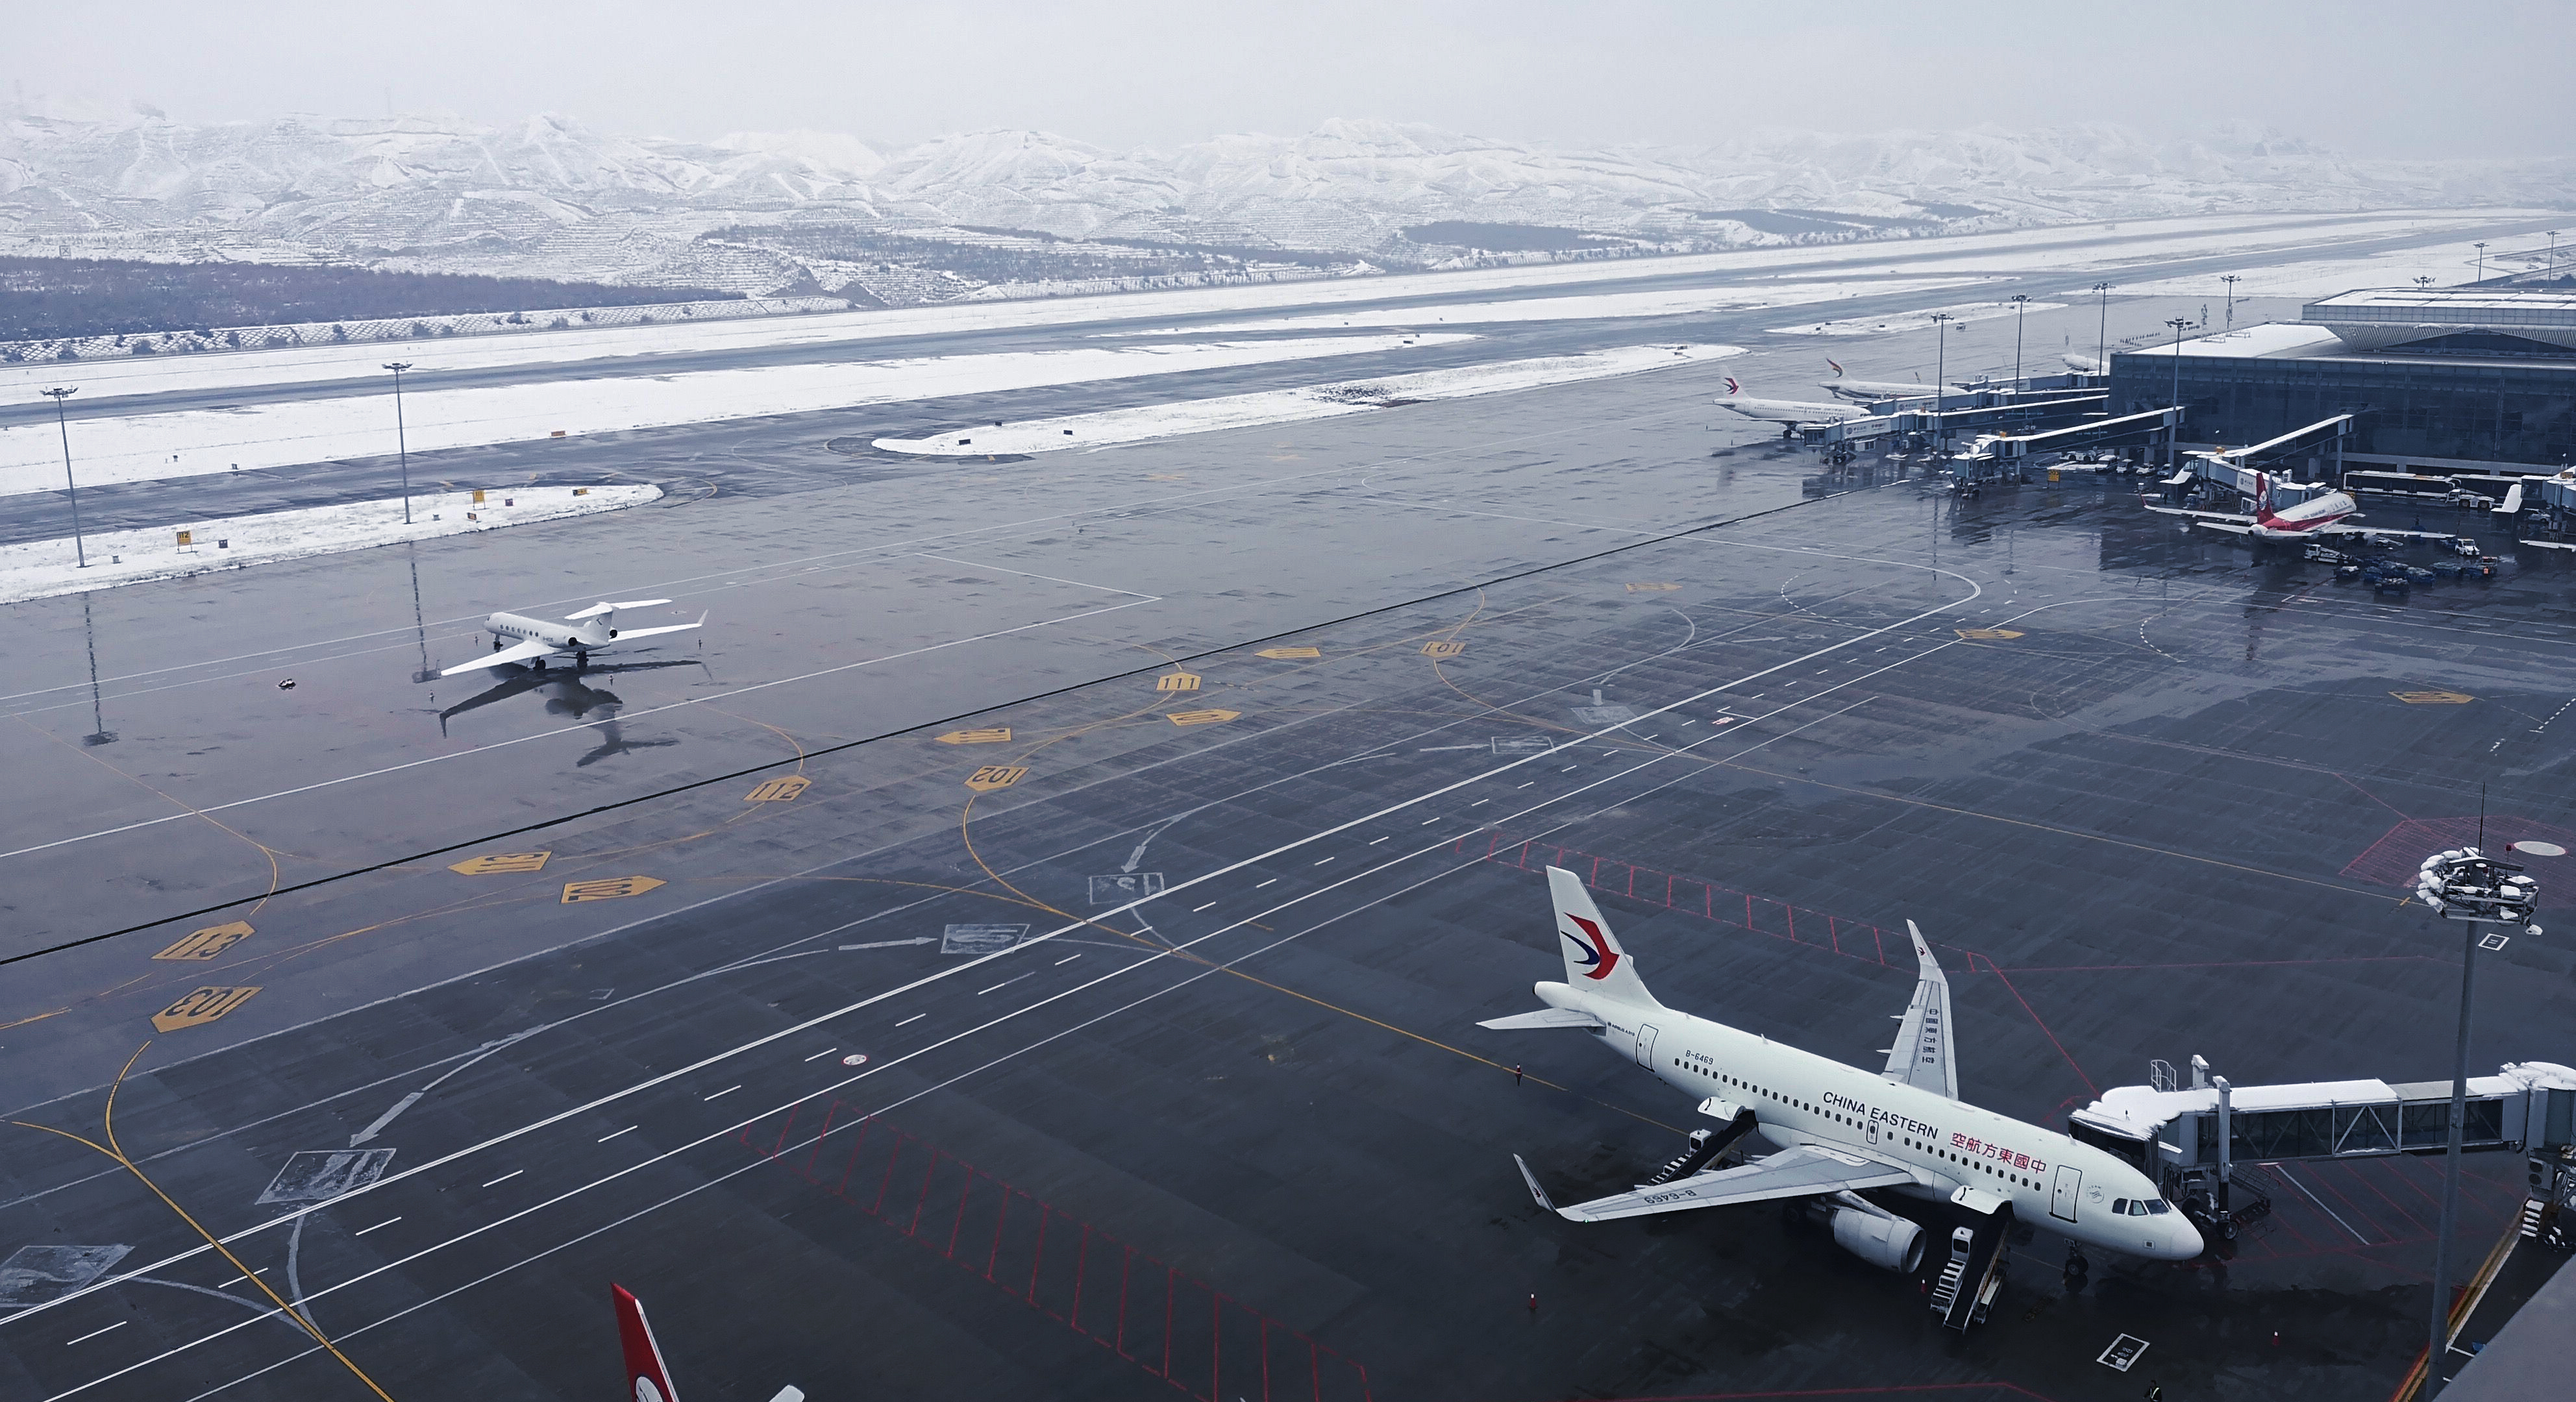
(1147, 1311)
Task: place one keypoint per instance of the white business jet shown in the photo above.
(595, 630)
(1836, 1129)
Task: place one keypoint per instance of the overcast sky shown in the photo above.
(2367, 77)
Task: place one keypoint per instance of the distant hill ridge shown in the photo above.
(549, 197)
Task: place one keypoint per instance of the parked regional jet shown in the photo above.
(539, 639)
(1837, 1129)
(1787, 411)
(2309, 520)
(1873, 391)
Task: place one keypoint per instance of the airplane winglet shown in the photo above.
(1537, 1193)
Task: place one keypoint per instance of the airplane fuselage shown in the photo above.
(2305, 519)
(1798, 1097)
(1790, 411)
(593, 636)
(1873, 391)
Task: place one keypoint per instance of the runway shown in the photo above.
(1156, 824)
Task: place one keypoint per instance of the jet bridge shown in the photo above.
(2188, 1138)
(2002, 411)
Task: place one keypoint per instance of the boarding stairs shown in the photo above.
(1974, 1274)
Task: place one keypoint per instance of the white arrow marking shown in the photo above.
(371, 1131)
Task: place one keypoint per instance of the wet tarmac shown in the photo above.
(1157, 824)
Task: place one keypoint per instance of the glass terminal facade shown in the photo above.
(2520, 411)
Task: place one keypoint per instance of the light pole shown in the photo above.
(2482, 262)
(2178, 323)
(2424, 282)
(402, 443)
(2231, 280)
(2102, 351)
(80, 552)
(1941, 374)
(2553, 250)
(2021, 303)
(2466, 885)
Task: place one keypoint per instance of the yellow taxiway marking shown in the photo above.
(1653, 587)
(608, 888)
(1177, 681)
(1284, 654)
(1985, 632)
(208, 942)
(1443, 648)
(496, 863)
(1207, 717)
(2433, 698)
(998, 735)
(778, 790)
(995, 776)
(200, 1006)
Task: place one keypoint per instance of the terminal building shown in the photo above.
(2439, 382)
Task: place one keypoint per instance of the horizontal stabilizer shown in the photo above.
(1544, 1017)
(597, 609)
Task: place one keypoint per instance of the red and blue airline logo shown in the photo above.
(1732, 387)
(1592, 949)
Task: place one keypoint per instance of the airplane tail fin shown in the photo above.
(2263, 499)
(648, 1379)
(2512, 502)
(1732, 387)
(1838, 366)
(1593, 959)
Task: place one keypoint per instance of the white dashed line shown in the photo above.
(236, 1280)
(726, 1091)
(916, 1017)
(94, 1333)
(504, 1178)
(1197, 908)
(1003, 984)
(630, 1129)
(1060, 963)
(1426, 822)
(1376, 840)
(1265, 883)
(362, 1231)
(827, 1051)
(1327, 859)
(1479, 803)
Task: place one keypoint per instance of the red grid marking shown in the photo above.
(1762, 914)
(2393, 859)
(1174, 1326)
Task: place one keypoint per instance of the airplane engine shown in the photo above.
(1890, 1243)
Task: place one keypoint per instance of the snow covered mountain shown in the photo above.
(550, 197)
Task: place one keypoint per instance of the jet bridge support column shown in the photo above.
(2218, 1192)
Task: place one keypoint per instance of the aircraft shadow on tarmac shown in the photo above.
(567, 693)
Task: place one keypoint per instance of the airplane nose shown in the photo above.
(2186, 1243)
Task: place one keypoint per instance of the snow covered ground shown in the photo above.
(2447, 264)
(1591, 307)
(2064, 246)
(186, 443)
(1912, 320)
(1152, 421)
(38, 569)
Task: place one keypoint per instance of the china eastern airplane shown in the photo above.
(596, 630)
(1787, 411)
(2312, 519)
(1873, 391)
(1835, 1130)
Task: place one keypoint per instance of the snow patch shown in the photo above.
(39, 569)
(1146, 422)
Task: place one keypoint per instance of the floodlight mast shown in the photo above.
(1941, 375)
(2466, 885)
(402, 441)
(2021, 303)
(2102, 330)
(80, 552)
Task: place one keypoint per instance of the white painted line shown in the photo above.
(1426, 822)
(726, 1091)
(506, 1177)
(1694, 722)
(94, 1333)
(236, 1280)
(1265, 883)
(362, 1231)
(1015, 978)
(916, 1017)
(1376, 840)
(1327, 859)
(827, 1051)
(1060, 963)
(1479, 803)
(1197, 908)
(1533, 781)
(1566, 770)
(630, 1129)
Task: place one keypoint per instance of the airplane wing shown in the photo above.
(2377, 530)
(2224, 526)
(1922, 1056)
(533, 647)
(628, 635)
(1544, 1017)
(1809, 1170)
(2203, 516)
(597, 609)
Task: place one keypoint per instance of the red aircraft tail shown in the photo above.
(647, 1378)
(2263, 512)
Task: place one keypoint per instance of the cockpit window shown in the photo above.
(2159, 1207)
(2120, 1207)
